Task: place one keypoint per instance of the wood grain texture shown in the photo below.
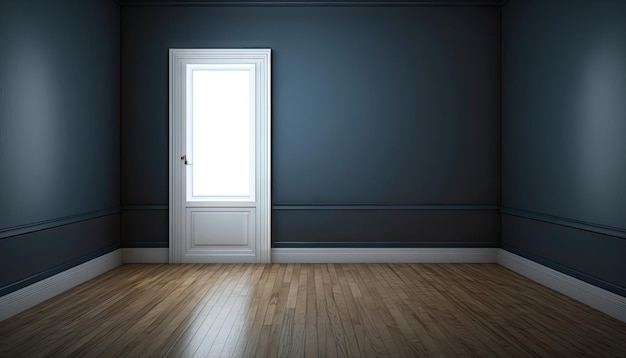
(311, 310)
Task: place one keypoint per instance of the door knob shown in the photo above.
(184, 159)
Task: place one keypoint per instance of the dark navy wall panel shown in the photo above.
(145, 227)
(564, 134)
(589, 256)
(394, 105)
(31, 257)
(59, 129)
(384, 228)
(564, 109)
(59, 109)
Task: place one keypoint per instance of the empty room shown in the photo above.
(299, 178)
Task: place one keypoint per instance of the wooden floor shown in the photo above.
(312, 310)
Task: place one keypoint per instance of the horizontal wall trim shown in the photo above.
(385, 245)
(349, 3)
(52, 223)
(557, 220)
(18, 301)
(608, 302)
(388, 255)
(351, 206)
(144, 207)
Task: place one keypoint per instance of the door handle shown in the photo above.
(184, 159)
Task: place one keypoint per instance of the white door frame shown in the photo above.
(178, 60)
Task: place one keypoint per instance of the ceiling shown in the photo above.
(310, 2)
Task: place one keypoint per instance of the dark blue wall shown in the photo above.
(381, 106)
(386, 128)
(59, 136)
(564, 136)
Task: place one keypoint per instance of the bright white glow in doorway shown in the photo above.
(222, 138)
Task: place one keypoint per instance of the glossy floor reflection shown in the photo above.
(312, 310)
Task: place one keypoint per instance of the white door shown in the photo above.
(220, 155)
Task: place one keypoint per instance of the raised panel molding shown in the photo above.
(217, 227)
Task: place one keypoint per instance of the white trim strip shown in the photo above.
(384, 255)
(608, 302)
(29, 296)
(157, 255)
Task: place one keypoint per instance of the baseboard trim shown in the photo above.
(145, 255)
(608, 302)
(342, 255)
(384, 255)
(29, 296)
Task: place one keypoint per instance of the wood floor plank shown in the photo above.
(310, 329)
(258, 312)
(240, 337)
(211, 317)
(164, 331)
(311, 310)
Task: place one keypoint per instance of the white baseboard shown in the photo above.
(608, 302)
(156, 255)
(343, 255)
(384, 255)
(29, 296)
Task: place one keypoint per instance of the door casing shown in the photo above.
(179, 216)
